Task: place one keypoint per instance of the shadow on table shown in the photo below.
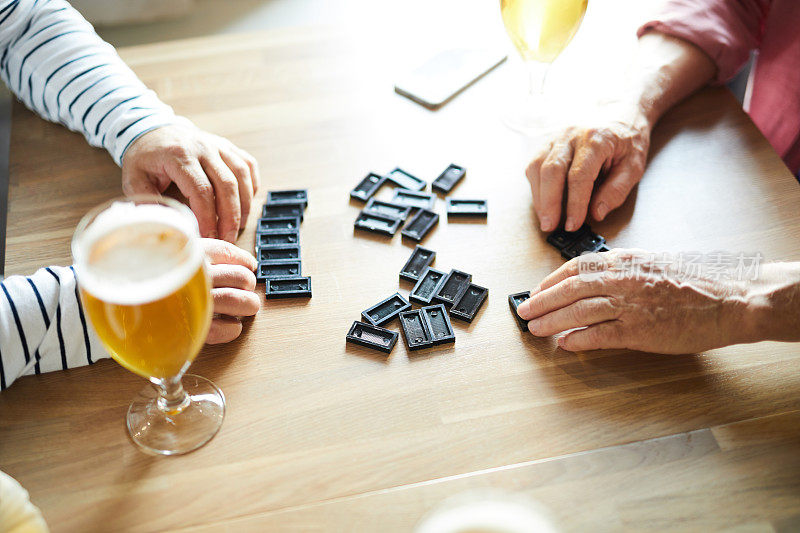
(429, 353)
(467, 327)
(125, 484)
(465, 220)
(372, 236)
(615, 369)
(654, 393)
(215, 359)
(368, 353)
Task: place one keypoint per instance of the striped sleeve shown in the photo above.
(43, 326)
(52, 59)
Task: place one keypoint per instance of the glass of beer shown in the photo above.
(540, 30)
(144, 284)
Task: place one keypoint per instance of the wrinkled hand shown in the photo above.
(218, 178)
(631, 301)
(233, 283)
(571, 164)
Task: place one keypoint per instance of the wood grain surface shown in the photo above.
(321, 435)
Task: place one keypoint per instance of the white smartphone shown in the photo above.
(446, 74)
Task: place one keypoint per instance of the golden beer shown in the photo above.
(541, 29)
(145, 288)
(143, 281)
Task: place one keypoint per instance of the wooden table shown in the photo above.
(322, 435)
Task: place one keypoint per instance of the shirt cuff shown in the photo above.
(138, 126)
(723, 33)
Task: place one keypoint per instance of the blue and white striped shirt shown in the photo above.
(43, 326)
(57, 65)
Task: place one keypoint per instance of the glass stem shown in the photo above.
(172, 399)
(537, 75)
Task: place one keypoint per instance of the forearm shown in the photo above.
(773, 303)
(43, 326)
(57, 65)
(667, 70)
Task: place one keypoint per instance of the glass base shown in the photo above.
(526, 114)
(164, 433)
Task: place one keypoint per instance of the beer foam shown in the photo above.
(134, 254)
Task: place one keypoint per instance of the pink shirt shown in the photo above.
(727, 30)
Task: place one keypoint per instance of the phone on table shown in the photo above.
(446, 74)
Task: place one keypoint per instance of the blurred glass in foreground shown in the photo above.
(17, 513)
(487, 511)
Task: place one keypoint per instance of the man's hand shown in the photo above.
(631, 301)
(218, 178)
(666, 71)
(571, 164)
(233, 283)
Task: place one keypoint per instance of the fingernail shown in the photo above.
(545, 223)
(560, 342)
(602, 210)
(231, 236)
(533, 326)
(524, 309)
(570, 225)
